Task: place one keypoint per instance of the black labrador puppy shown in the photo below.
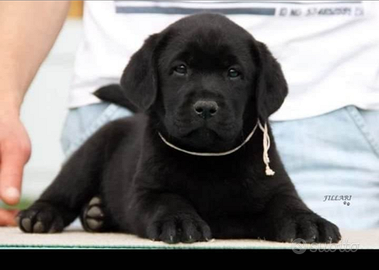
(200, 162)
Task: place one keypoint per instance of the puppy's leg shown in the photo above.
(170, 218)
(287, 218)
(75, 185)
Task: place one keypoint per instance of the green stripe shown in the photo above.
(131, 247)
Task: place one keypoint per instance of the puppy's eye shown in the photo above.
(233, 73)
(181, 69)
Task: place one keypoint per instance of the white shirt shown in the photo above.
(329, 51)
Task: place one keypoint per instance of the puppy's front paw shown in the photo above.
(40, 218)
(306, 226)
(184, 228)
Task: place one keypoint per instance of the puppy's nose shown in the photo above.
(205, 109)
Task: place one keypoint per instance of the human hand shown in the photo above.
(15, 150)
(8, 217)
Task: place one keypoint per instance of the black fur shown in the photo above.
(115, 94)
(149, 189)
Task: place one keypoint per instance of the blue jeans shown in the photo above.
(333, 159)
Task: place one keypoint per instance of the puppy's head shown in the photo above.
(206, 80)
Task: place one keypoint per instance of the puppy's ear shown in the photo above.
(139, 79)
(271, 85)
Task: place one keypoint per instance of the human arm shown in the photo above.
(28, 31)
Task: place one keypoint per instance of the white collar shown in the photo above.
(266, 146)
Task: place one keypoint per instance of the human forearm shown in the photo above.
(28, 30)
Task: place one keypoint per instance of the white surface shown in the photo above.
(45, 108)
(13, 237)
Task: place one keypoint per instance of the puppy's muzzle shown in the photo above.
(206, 109)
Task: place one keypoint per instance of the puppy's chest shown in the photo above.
(222, 192)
